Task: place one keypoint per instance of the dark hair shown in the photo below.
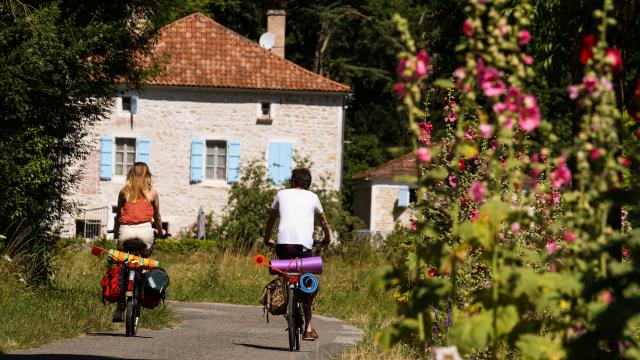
(301, 177)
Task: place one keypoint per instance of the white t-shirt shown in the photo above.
(297, 209)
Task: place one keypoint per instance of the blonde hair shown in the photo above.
(138, 183)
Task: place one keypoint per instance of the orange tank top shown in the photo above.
(136, 213)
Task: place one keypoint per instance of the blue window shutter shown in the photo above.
(143, 150)
(233, 162)
(106, 157)
(279, 162)
(403, 196)
(285, 162)
(134, 105)
(197, 160)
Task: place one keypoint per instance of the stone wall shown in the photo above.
(385, 211)
(172, 117)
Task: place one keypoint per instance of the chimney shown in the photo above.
(276, 25)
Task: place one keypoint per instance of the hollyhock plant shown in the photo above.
(530, 114)
(590, 83)
(474, 215)
(477, 192)
(491, 82)
(486, 130)
(561, 176)
(453, 182)
(551, 247)
(569, 236)
(574, 91)
(595, 154)
(423, 154)
(524, 37)
(588, 42)
(422, 64)
(613, 57)
(467, 28)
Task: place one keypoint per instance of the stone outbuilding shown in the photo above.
(222, 101)
(381, 197)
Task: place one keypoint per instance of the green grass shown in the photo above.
(69, 307)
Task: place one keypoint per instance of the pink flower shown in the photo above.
(515, 227)
(606, 84)
(613, 57)
(425, 140)
(453, 181)
(555, 198)
(561, 176)
(625, 162)
(486, 130)
(490, 82)
(595, 154)
(413, 224)
(530, 114)
(527, 59)
(423, 154)
(569, 236)
(422, 64)
(590, 82)
(477, 192)
(574, 91)
(474, 215)
(425, 127)
(551, 247)
(400, 89)
(467, 28)
(459, 74)
(513, 99)
(524, 37)
(606, 296)
(451, 117)
(626, 251)
(470, 134)
(503, 30)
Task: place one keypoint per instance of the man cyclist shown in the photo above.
(297, 207)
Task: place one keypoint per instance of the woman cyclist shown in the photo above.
(138, 206)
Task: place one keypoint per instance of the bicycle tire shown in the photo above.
(291, 320)
(129, 318)
(300, 325)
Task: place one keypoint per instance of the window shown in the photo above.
(265, 109)
(125, 155)
(216, 161)
(126, 103)
(88, 229)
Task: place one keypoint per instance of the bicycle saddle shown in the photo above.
(134, 245)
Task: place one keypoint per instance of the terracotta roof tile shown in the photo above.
(402, 166)
(201, 52)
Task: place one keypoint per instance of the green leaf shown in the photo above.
(507, 319)
(537, 347)
(472, 332)
(438, 173)
(443, 83)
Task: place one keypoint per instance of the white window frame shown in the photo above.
(218, 183)
(121, 179)
(115, 151)
(273, 109)
(215, 156)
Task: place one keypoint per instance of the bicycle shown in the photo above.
(133, 269)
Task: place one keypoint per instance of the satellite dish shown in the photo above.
(267, 40)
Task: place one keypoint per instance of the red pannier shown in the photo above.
(114, 284)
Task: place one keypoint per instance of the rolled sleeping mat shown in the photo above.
(122, 256)
(305, 265)
(308, 283)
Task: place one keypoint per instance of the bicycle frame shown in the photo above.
(295, 314)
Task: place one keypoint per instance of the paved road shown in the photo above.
(207, 331)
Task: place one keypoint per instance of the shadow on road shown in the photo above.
(117, 335)
(56, 357)
(263, 347)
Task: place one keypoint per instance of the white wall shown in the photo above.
(172, 117)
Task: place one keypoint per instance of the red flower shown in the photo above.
(626, 251)
(467, 28)
(461, 164)
(595, 154)
(625, 162)
(588, 42)
(432, 271)
(637, 133)
(613, 58)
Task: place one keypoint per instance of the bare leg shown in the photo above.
(307, 316)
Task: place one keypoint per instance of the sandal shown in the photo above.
(310, 335)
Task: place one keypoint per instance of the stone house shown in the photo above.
(222, 101)
(381, 199)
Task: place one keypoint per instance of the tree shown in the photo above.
(61, 62)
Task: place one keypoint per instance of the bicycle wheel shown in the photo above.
(300, 325)
(291, 320)
(130, 318)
